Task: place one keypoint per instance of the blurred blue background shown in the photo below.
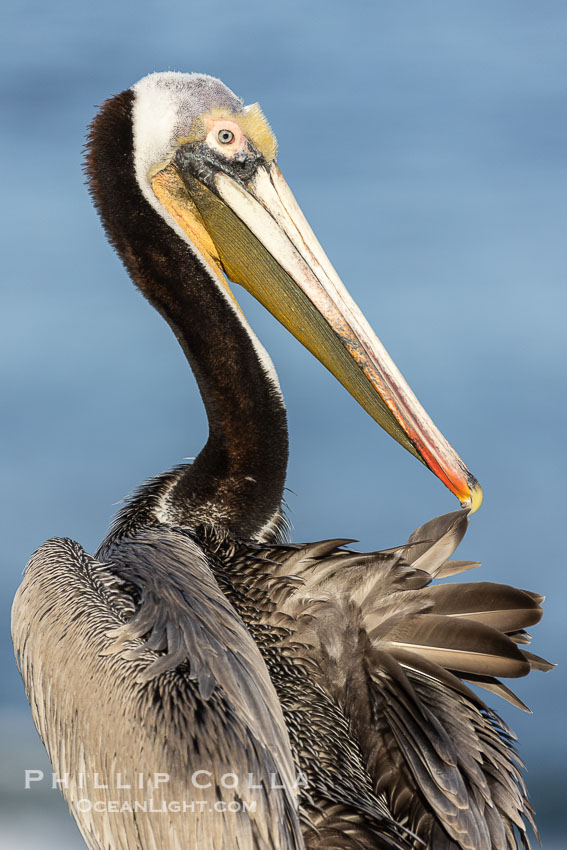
(427, 144)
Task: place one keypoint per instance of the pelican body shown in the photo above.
(269, 695)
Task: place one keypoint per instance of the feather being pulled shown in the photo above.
(394, 651)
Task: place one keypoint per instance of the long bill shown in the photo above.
(256, 234)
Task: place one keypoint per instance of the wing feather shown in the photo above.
(137, 665)
(393, 650)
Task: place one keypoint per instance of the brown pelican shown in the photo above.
(198, 683)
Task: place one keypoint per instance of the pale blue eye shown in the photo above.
(225, 137)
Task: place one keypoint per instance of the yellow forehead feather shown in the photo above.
(255, 126)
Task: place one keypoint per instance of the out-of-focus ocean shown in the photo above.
(427, 144)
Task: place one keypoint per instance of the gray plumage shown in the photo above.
(150, 671)
(358, 648)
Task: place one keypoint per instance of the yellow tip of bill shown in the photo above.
(474, 501)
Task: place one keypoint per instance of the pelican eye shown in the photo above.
(225, 137)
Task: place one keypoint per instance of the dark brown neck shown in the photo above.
(237, 480)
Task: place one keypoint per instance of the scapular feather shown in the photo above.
(395, 652)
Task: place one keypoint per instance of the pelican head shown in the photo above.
(207, 164)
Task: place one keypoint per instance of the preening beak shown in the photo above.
(264, 243)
